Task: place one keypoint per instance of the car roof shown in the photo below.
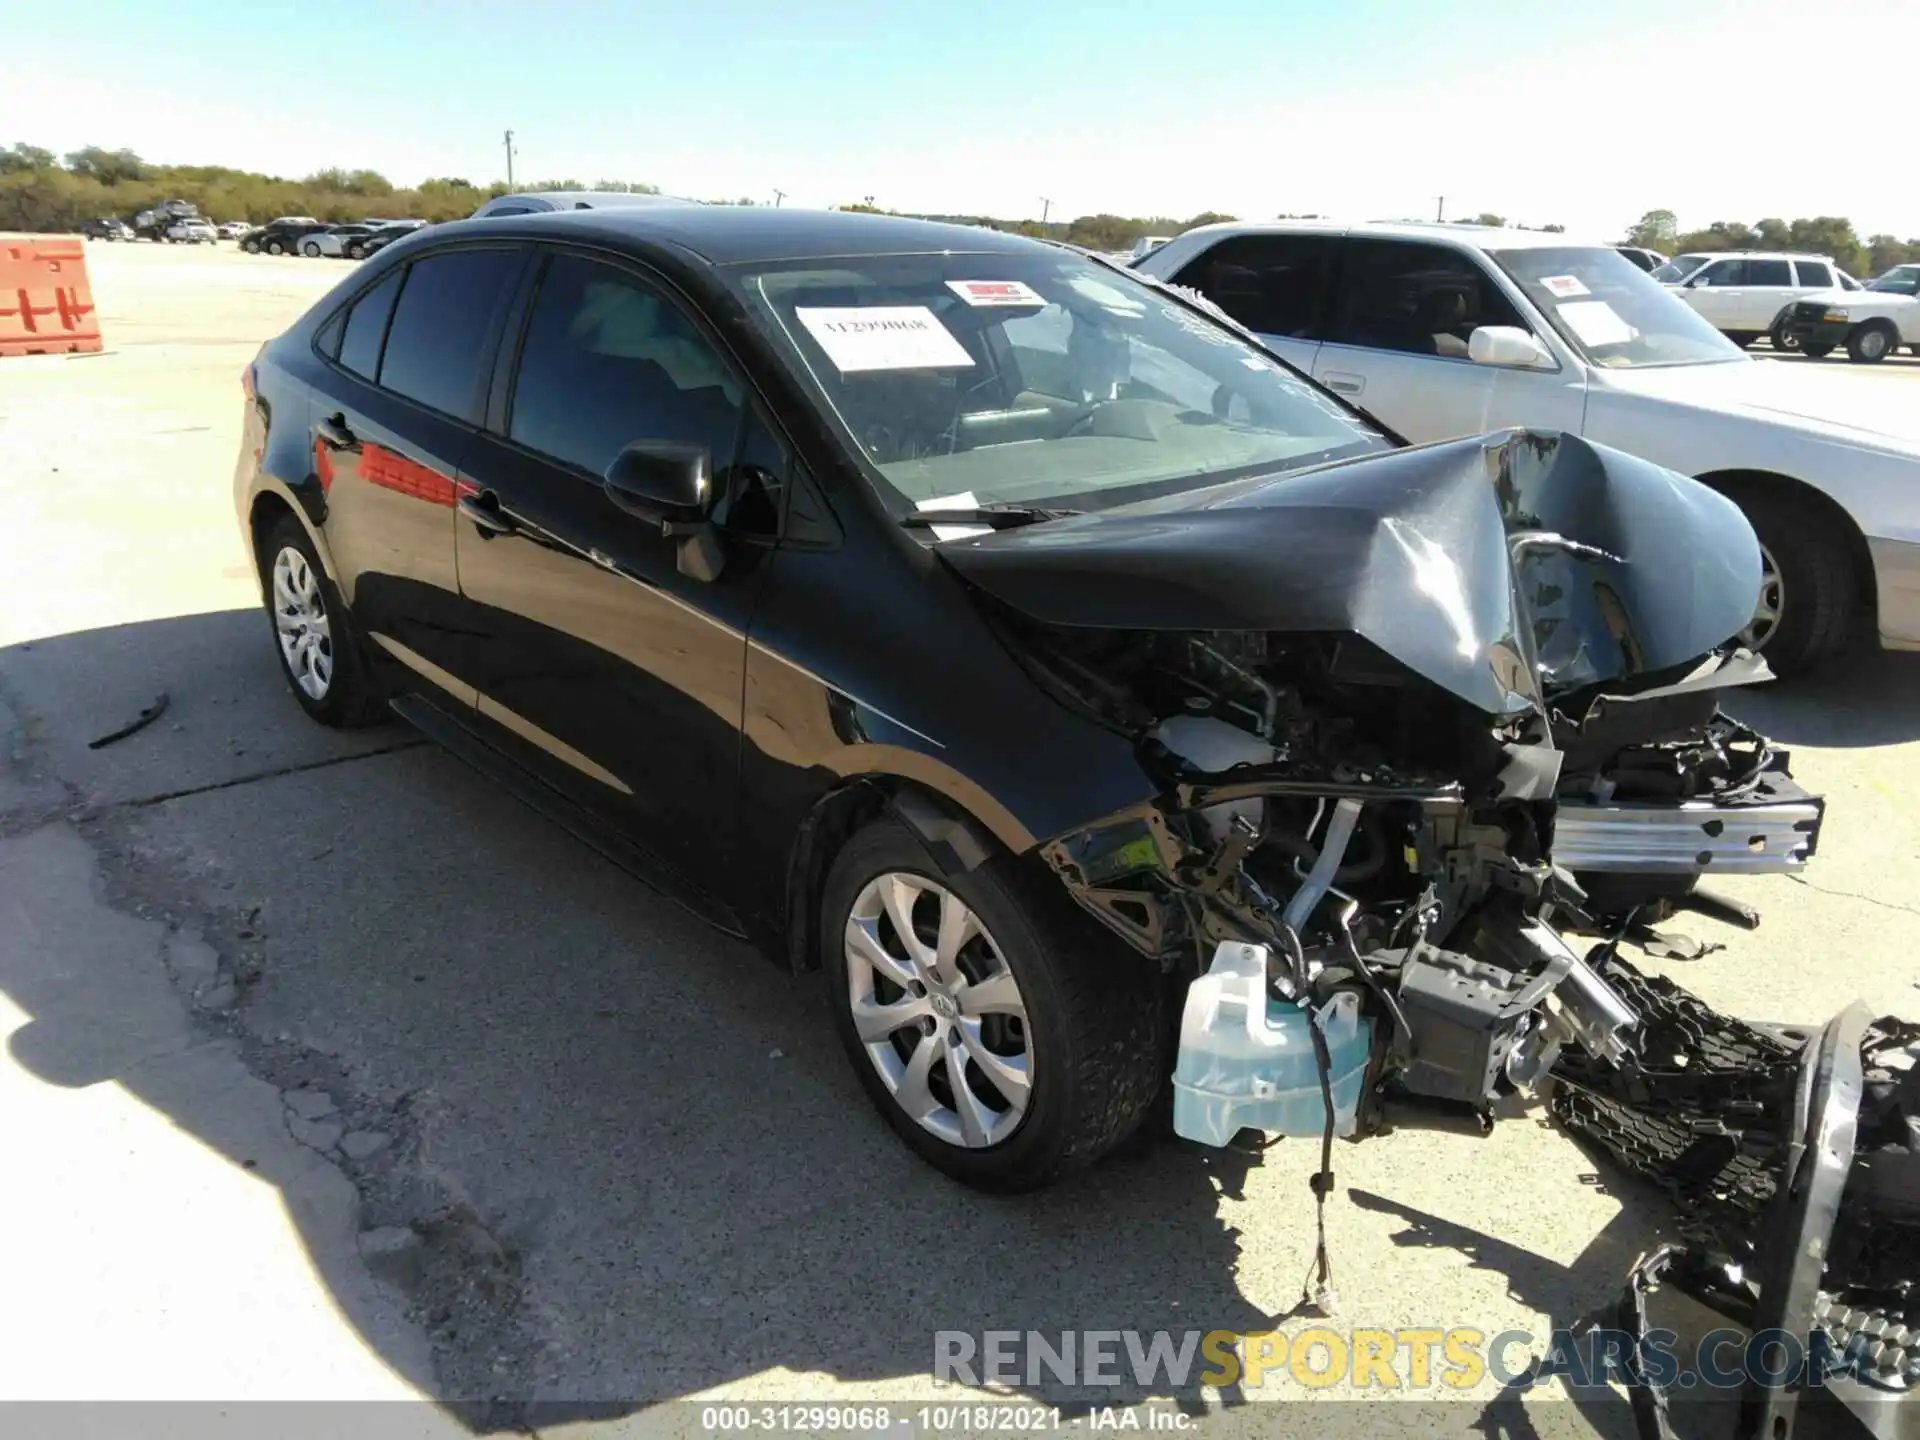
(742, 234)
(570, 198)
(1484, 237)
(1758, 255)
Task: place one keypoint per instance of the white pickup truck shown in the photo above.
(1871, 322)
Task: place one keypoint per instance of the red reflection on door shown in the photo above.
(391, 471)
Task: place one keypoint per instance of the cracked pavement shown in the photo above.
(605, 1158)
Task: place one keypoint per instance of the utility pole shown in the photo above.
(778, 196)
(509, 159)
(1046, 208)
(1440, 215)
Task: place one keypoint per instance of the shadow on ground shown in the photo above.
(1868, 698)
(636, 1162)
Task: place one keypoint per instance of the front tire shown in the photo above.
(274, 247)
(356, 251)
(1805, 614)
(252, 247)
(1781, 340)
(313, 632)
(310, 250)
(1870, 344)
(1002, 1034)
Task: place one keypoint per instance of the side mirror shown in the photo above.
(662, 482)
(669, 484)
(1699, 280)
(1506, 345)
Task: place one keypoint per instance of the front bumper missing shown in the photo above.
(1775, 833)
(1861, 1353)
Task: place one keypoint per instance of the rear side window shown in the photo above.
(1272, 284)
(1812, 272)
(436, 343)
(608, 360)
(366, 326)
(1768, 272)
(1419, 298)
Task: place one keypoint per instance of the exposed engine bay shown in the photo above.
(1397, 821)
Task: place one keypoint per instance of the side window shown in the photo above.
(608, 360)
(1812, 272)
(436, 343)
(508, 210)
(1419, 298)
(367, 326)
(1269, 283)
(1768, 272)
(1723, 272)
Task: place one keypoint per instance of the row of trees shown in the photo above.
(42, 191)
(1821, 235)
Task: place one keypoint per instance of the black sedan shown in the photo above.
(1001, 632)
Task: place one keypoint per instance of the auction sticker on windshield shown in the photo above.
(1594, 322)
(1564, 287)
(884, 337)
(996, 292)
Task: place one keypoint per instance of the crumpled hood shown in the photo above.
(1480, 564)
(1829, 400)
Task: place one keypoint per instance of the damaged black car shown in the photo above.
(1110, 712)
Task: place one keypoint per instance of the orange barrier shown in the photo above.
(46, 305)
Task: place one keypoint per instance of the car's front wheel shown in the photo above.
(252, 247)
(274, 247)
(313, 631)
(1805, 609)
(356, 251)
(1003, 1035)
(1871, 343)
(310, 250)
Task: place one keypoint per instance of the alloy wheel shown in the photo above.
(300, 617)
(1770, 606)
(938, 1010)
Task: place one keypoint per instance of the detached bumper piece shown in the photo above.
(1774, 831)
(1793, 1157)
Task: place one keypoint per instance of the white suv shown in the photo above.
(1443, 331)
(1742, 292)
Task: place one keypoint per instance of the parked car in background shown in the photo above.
(1443, 331)
(107, 227)
(534, 202)
(1646, 259)
(282, 236)
(1741, 293)
(381, 237)
(1872, 321)
(235, 229)
(1145, 246)
(190, 230)
(333, 240)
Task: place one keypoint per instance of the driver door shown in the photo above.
(1715, 292)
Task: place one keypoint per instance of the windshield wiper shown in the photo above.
(999, 517)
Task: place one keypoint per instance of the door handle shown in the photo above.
(1345, 384)
(484, 511)
(335, 433)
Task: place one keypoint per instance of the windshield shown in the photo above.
(1678, 268)
(1611, 311)
(1904, 280)
(1036, 378)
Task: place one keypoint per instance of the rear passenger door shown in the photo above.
(1275, 285)
(604, 668)
(1768, 289)
(409, 359)
(1396, 345)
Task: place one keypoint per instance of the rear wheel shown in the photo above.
(252, 247)
(356, 251)
(313, 632)
(1871, 343)
(274, 247)
(310, 250)
(1002, 1034)
(1805, 609)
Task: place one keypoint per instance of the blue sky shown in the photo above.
(1541, 110)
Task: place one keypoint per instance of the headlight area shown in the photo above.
(1353, 875)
